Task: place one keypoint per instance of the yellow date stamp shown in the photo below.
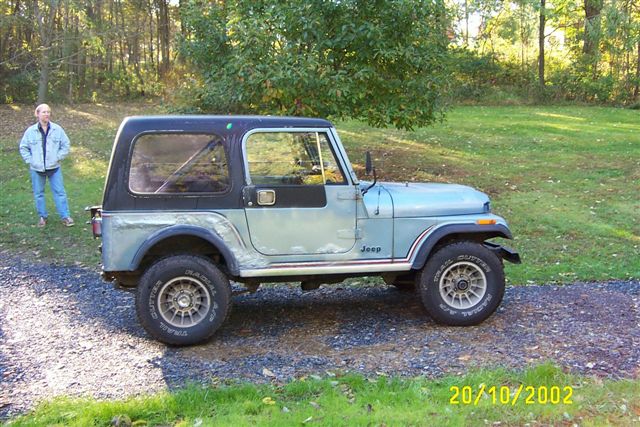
(508, 395)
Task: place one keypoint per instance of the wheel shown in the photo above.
(183, 299)
(462, 284)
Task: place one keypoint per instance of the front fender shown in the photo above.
(461, 231)
(187, 230)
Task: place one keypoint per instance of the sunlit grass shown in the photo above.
(567, 180)
(92, 129)
(356, 400)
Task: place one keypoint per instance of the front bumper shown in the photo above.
(504, 252)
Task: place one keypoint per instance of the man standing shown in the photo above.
(43, 147)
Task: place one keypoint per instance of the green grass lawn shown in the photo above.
(567, 179)
(353, 400)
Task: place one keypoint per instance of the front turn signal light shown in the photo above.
(486, 221)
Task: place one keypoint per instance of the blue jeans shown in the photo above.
(57, 189)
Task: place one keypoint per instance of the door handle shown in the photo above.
(266, 197)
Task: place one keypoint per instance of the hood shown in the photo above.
(432, 199)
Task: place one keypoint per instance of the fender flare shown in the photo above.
(485, 231)
(187, 230)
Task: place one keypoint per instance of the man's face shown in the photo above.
(43, 115)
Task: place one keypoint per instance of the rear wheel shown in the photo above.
(462, 284)
(183, 299)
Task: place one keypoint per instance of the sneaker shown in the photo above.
(42, 222)
(68, 222)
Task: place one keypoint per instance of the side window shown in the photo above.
(178, 163)
(292, 158)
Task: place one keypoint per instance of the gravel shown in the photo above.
(65, 332)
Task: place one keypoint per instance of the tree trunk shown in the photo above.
(43, 81)
(636, 90)
(183, 29)
(151, 50)
(541, 43)
(592, 9)
(4, 41)
(45, 30)
(123, 63)
(163, 35)
(466, 22)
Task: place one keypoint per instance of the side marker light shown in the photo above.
(486, 221)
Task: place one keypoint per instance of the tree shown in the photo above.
(541, 38)
(592, 28)
(382, 61)
(44, 22)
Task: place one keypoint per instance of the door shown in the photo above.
(298, 200)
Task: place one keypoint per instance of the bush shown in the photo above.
(483, 78)
(19, 87)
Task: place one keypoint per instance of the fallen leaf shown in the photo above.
(267, 373)
(268, 401)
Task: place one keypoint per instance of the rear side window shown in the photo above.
(178, 163)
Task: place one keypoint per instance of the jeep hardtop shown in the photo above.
(191, 203)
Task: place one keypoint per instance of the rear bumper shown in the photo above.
(504, 252)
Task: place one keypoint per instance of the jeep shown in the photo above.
(192, 203)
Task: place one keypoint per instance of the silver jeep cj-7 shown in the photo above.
(192, 202)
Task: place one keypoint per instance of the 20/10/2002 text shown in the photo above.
(504, 395)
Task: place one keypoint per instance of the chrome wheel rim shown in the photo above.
(463, 285)
(183, 302)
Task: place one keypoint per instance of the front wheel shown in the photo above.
(183, 299)
(462, 284)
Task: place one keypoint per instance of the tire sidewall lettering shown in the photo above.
(164, 272)
(447, 256)
(474, 260)
(441, 269)
(153, 294)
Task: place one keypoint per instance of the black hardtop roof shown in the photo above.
(240, 121)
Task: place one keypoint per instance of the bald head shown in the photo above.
(43, 113)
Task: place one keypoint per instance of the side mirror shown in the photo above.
(369, 169)
(368, 164)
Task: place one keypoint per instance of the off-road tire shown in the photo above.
(451, 270)
(182, 287)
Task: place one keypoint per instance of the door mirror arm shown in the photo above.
(369, 169)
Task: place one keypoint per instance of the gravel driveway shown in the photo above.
(64, 331)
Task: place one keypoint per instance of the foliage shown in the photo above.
(591, 47)
(566, 179)
(321, 58)
(480, 77)
(351, 399)
(108, 49)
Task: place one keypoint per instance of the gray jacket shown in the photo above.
(58, 145)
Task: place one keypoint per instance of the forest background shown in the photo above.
(360, 59)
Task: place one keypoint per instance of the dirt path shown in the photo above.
(64, 331)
